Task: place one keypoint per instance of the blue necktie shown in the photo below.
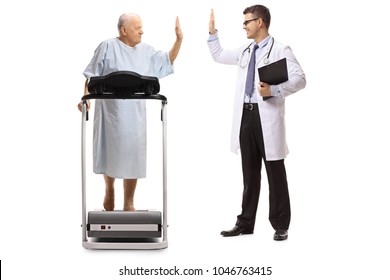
(250, 78)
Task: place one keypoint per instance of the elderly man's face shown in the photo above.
(133, 31)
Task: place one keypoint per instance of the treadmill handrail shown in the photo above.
(123, 96)
(124, 85)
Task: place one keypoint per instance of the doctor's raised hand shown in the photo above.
(212, 29)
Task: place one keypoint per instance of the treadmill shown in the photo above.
(141, 229)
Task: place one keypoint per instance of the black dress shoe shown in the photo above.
(236, 231)
(280, 235)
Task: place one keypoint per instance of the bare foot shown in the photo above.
(128, 207)
(109, 201)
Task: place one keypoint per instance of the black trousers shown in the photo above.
(252, 155)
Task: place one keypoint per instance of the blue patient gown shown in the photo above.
(119, 135)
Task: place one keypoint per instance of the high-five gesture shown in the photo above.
(212, 29)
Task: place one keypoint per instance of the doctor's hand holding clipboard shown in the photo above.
(264, 90)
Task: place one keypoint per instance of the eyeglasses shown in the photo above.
(249, 20)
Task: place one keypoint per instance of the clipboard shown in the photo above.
(274, 73)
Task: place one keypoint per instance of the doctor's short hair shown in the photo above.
(260, 11)
(124, 19)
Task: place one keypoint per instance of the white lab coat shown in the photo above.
(271, 111)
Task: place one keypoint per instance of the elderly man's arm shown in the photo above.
(176, 46)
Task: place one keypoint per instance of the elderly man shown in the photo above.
(119, 137)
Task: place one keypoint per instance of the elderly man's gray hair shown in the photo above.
(125, 18)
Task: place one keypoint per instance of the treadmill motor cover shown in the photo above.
(124, 224)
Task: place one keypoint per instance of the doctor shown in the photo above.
(258, 123)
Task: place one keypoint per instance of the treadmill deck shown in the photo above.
(124, 224)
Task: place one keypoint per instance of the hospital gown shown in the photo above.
(119, 136)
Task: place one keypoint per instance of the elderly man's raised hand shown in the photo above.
(179, 33)
(177, 44)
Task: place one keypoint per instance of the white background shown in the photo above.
(337, 134)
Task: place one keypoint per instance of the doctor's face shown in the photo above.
(251, 25)
(132, 31)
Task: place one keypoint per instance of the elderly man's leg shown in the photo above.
(129, 190)
(109, 198)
